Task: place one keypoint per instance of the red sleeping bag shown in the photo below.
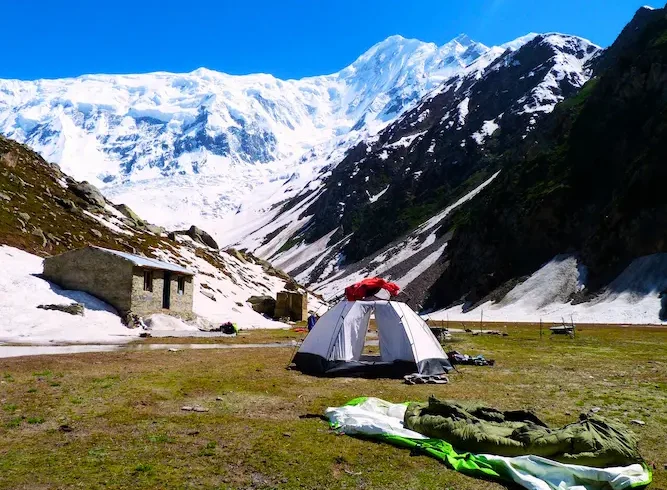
(369, 287)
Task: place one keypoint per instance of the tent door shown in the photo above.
(166, 291)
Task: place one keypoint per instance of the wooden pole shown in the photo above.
(540, 328)
(481, 320)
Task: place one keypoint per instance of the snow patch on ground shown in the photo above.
(378, 195)
(108, 223)
(463, 111)
(405, 141)
(167, 323)
(422, 267)
(488, 128)
(21, 291)
(634, 297)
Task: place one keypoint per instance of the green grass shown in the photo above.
(160, 438)
(126, 428)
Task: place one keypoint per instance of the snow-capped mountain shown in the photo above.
(217, 135)
(407, 178)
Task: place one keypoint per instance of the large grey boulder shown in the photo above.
(154, 229)
(88, 193)
(126, 211)
(199, 235)
(265, 305)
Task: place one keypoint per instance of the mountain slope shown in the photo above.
(45, 212)
(589, 180)
(438, 152)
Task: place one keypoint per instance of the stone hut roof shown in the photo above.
(140, 261)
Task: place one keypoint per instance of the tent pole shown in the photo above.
(296, 349)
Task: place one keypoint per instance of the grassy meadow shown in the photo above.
(114, 420)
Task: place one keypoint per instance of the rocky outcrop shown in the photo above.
(88, 193)
(135, 221)
(126, 211)
(198, 235)
(73, 309)
(265, 305)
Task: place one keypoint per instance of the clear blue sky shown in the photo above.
(288, 38)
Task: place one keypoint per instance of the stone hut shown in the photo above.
(291, 305)
(130, 283)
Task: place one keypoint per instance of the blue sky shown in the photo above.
(288, 38)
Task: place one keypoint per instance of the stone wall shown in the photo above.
(147, 302)
(291, 305)
(103, 275)
(182, 303)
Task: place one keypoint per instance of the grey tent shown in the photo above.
(335, 345)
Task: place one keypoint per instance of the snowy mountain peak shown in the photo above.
(463, 40)
(117, 129)
(221, 136)
(519, 41)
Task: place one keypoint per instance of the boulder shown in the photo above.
(125, 210)
(154, 229)
(264, 305)
(73, 309)
(199, 235)
(88, 193)
(40, 234)
(65, 203)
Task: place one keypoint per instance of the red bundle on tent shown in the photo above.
(369, 287)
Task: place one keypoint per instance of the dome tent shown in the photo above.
(334, 347)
